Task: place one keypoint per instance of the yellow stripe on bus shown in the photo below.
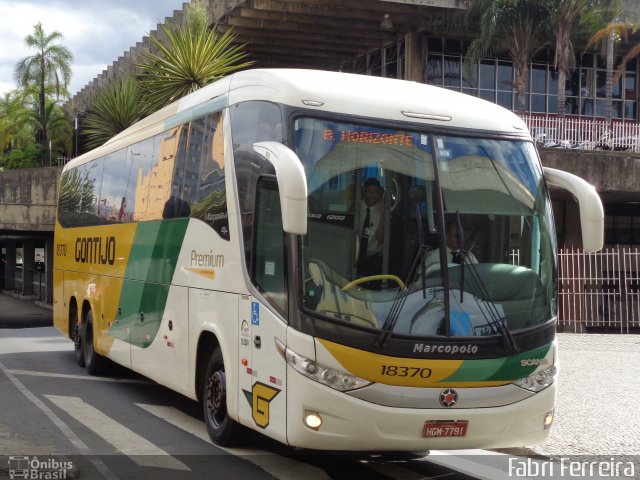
(410, 372)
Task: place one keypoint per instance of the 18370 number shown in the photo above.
(402, 371)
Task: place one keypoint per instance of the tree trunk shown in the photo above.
(520, 86)
(43, 123)
(609, 84)
(562, 83)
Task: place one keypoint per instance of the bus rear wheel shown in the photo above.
(95, 363)
(76, 335)
(222, 429)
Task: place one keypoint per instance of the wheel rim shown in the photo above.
(217, 398)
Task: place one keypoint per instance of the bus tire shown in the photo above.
(222, 429)
(77, 333)
(95, 363)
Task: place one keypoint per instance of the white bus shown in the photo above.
(219, 247)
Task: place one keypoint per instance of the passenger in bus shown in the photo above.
(371, 215)
(454, 252)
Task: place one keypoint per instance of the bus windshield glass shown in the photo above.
(407, 240)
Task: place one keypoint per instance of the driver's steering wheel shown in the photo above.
(373, 278)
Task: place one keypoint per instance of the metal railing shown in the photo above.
(584, 134)
(600, 289)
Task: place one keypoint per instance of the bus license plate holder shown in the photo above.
(445, 428)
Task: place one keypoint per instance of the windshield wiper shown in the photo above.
(399, 301)
(462, 253)
(497, 322)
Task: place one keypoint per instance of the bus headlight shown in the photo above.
(331, 377)
(539, 380)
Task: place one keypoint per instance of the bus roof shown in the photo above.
(345, 93)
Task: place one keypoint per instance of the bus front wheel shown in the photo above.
(222, 429)
(95, 363)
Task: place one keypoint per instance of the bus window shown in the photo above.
(143, 155)
(113, 201)
(269, 268)
(252, 122)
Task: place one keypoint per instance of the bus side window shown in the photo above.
(269, 267)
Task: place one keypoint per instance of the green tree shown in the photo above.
(115, 109)
(14, 121)
(614, 31)
(519, 27)
(570, 19)
(58, 127)
(49, 66)
(193, 57)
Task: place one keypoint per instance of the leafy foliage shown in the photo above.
(519, 27)
(115, 109)
(193, 57)
(572, 19)
(49, 67)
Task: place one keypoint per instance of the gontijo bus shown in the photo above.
(214, 248)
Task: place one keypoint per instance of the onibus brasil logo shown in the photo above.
(36, 469)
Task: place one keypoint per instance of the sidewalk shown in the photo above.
(598, 393)
(17, 311)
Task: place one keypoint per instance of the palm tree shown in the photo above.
(516, 26)
(14, 116)
(193, 57)
(569, 18)
(615, 30)
(116, 108)
(50, 65)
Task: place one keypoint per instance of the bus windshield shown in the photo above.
(407, 240)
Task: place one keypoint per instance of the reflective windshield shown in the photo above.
(385, 251)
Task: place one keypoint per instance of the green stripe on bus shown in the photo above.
(514, 367)
(499, 369)
(475, 370)
(147, 280)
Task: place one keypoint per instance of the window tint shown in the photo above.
(252, 122)
(113, 202)
(203, 185)
(269, 267)
(177, 173)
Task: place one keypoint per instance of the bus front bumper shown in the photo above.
(352, 424)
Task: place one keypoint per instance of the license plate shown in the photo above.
(445, 428)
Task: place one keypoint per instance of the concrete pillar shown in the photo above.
(28, 266)
(414, 53)
(48, 261)
(10, 266)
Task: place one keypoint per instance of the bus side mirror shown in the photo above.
(292, 185)
(591, 211)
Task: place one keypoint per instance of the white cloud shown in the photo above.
(96, 32)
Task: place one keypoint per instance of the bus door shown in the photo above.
(263, 381)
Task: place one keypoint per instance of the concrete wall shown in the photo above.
(125, 65)
(28, 199)
(607, 171)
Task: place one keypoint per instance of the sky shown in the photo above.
(96, 31)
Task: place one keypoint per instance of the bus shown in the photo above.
(216, 247)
